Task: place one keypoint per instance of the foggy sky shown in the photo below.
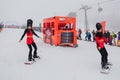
(18, 11)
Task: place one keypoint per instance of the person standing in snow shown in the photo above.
(113, 38)
(89, 36)
(118, 39)
(100, 40)
(118, 35)
(79, 34)
(93, 34)
(30, 41)
(107, 36)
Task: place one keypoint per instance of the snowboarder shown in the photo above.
(100, 39)
(30, 41)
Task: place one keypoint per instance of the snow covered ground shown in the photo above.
(57, 63)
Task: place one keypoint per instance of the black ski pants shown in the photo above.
(104, 56)
(30, 51)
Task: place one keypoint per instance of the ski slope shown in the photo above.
(57, 63)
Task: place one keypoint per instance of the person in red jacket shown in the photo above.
(30, 41)
(100, 40)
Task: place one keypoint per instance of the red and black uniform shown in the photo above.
(30, 42)
(100, 39)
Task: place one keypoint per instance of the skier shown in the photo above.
(100, 39)
(30, 41)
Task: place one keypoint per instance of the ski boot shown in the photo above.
(109, 64)
(105, 69)
(36, 57)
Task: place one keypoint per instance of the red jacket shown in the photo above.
(29, 39)
(100, 41)
(29, 34)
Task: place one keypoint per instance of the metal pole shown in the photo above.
(86, 22)
(85, 8)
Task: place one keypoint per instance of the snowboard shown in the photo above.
(31, 62)
(106, 71)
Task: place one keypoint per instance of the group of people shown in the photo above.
(112, 37)
(87, 35)
(99, 37)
